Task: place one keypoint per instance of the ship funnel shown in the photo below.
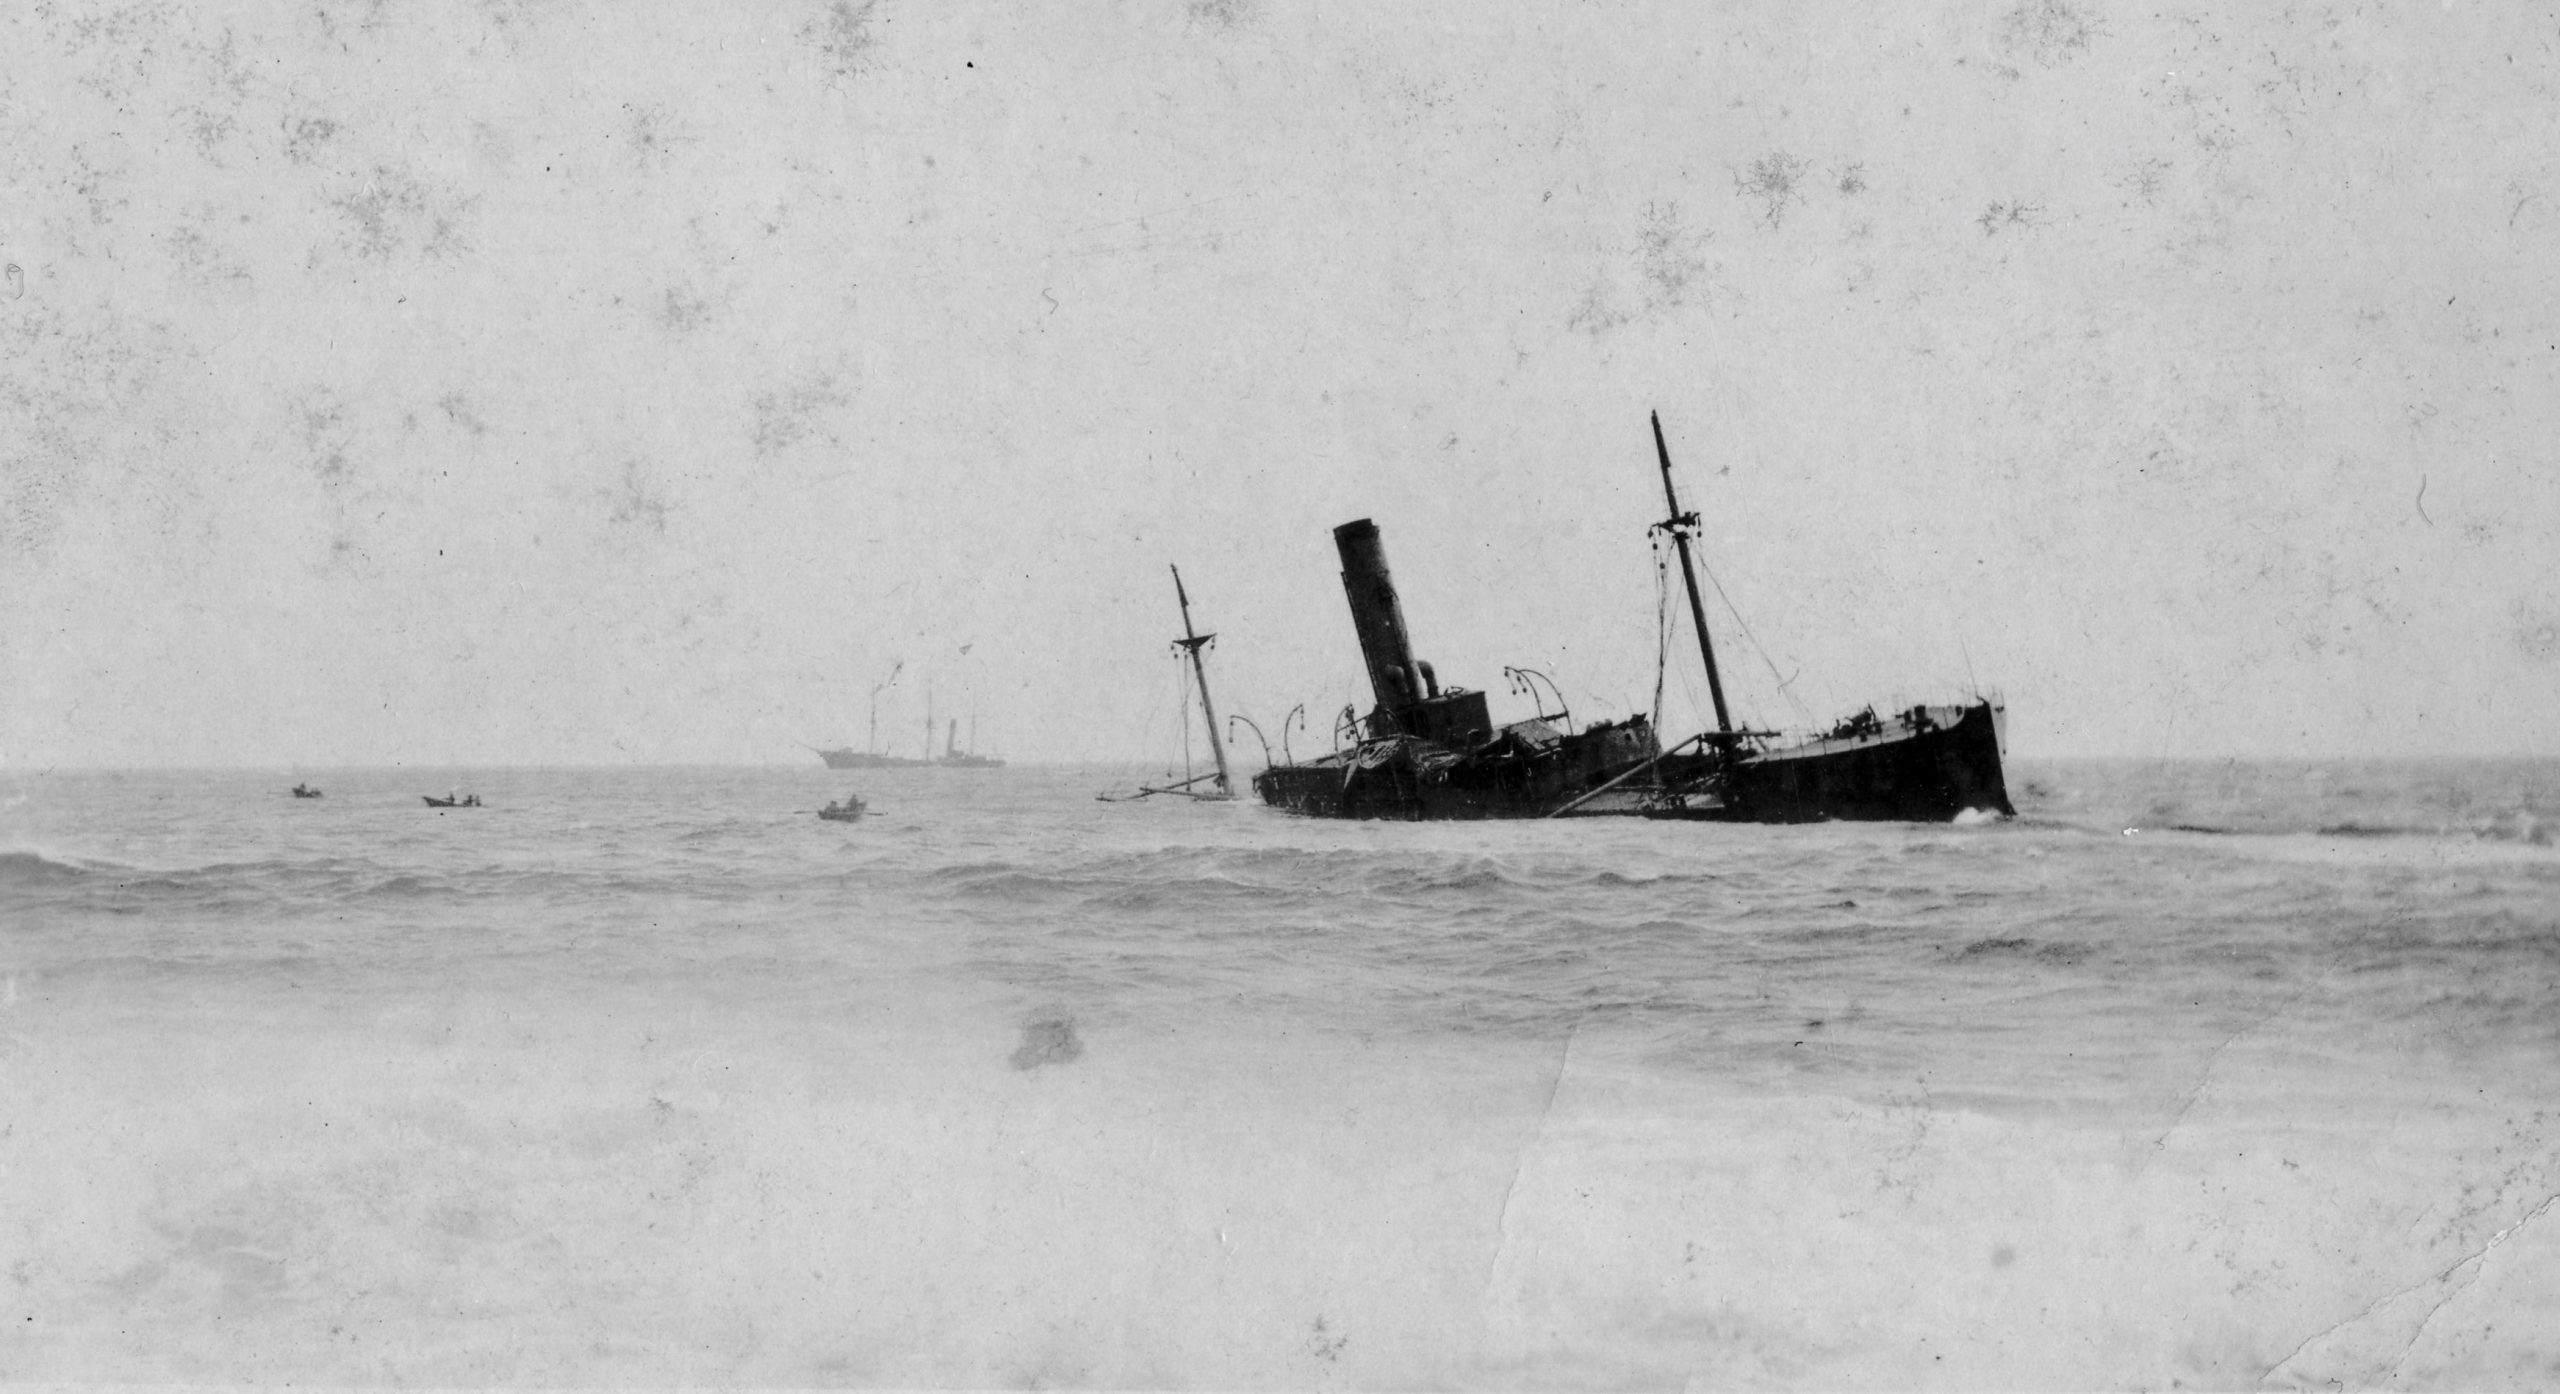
(1378, 617)
(1411, 700)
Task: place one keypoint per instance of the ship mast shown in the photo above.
(1194, 643)
(1680, 525)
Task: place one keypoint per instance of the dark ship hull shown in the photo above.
(1924, 765)
(1430, 754)
(1521, 773)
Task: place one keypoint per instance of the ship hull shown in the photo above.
(1415, 779)
(1925, 766)
(864, 760)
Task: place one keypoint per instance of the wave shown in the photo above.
(2522, 829)
(2020, 946)
(37, 869)
(1215, 886)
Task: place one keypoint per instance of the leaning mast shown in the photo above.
(1680, 525)
(1194, 643)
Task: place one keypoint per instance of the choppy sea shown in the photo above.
(2220, 1075)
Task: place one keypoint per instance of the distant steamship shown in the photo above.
(872, 758)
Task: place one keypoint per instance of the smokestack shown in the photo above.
(1377, 616)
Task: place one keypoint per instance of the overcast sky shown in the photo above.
(545, 381)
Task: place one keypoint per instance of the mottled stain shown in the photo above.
(76, 392)
(1051, 1040)
(94, 187)
(637, 502)
(114, 49)
(2194, 93)
(459, 411)
(1773, 183)
(2002, 216)
(796, 415)
(2048, 32)
(1227, 14)
(2537, 631)
(1666, 265)
(42, 474)
(1668, 256)
(681, 311)
(325, 432)
(1597, 312)
(305, 136)
(2144, 179)
(512, 19)
(200, 260)
(390, 213)
(337, 21)
(320, 420)
(653, 135)
(214, 117)
(842, 38)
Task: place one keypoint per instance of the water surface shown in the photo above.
(2222, 1074)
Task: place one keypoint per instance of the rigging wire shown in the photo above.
(1802, 712)
(1132, 763)
(1668, 616)
(1661, 626)
(1744, 625)
(1182, 675)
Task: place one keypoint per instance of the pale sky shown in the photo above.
(536, 381)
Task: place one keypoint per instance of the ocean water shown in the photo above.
(2214, 1075)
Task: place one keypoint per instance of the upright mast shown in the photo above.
(1680, 525)
(1195, 643)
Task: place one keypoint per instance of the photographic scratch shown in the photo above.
(2472, 1261)
(1519, 1163)
(2204, 1077)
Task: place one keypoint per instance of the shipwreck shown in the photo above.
(1424, 751)
(1428, 752)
